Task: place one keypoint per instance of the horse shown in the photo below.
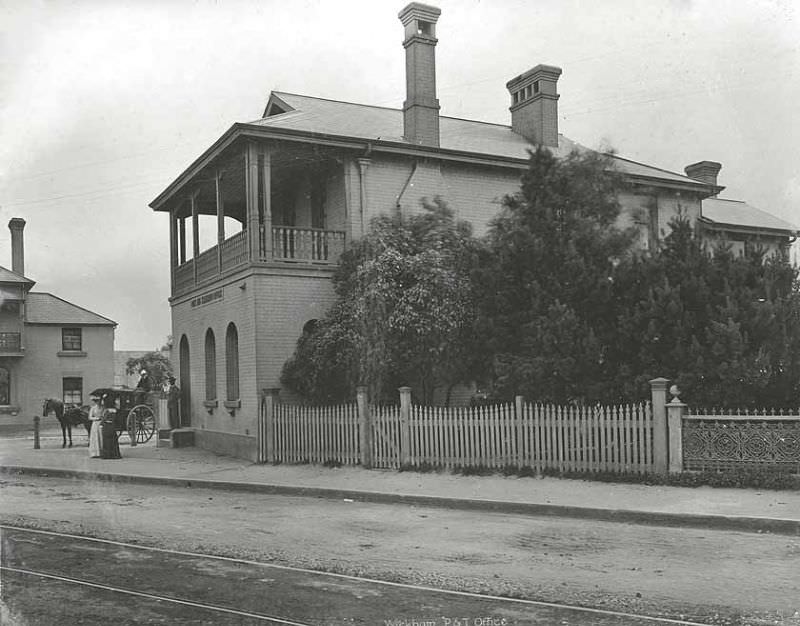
(67, 418)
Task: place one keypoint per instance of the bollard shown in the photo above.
(36, 419)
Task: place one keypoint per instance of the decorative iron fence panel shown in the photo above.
(719, 441)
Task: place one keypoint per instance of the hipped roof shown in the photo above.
(298, 117)
(45, 308)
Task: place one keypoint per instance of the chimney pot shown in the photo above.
(534, 104)
(704, 171)
(16, 225)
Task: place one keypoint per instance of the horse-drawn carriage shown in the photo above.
(130, 408)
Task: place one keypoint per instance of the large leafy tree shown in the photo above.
(404, 313)
(157, 364)
(547, 310)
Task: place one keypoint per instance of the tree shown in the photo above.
(547, 311)
(403, 315)
(724, 326)
(158, 366)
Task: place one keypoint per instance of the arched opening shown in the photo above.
(185, 415)
(5, 387)
(211, 365)
(232, 363)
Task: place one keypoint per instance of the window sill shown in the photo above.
(210, 405)
(232, 405)
(71, 353)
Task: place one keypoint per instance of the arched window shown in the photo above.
(232, 362)
(5, 386)
(211, 366)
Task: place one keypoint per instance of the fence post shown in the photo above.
(658, 393)
(365, 427)
(405, 424)
(36, 419)
(518, 429)
(267, 432)
(675, 410)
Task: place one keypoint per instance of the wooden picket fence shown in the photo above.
(537, 436)
(315, 434)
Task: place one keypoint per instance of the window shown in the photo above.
(232, 362)
(71, 339)
(211, 366)
(73, 391)
(535, 86)
(5, 387)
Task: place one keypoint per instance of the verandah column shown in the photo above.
(265, 208)
(220, 218)
(251, 199)
(173, 247)
(195, 233)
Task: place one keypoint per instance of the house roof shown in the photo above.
(373, 123)
(737, 213)
(45, 308)
(7, 276)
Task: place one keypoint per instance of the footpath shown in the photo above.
(747, 510)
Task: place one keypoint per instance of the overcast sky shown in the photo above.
(103, 103)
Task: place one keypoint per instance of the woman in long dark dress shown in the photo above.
(110, 446)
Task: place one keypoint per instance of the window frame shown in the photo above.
(210, 354)
(78, 388)
(232, 363)
(69, 346)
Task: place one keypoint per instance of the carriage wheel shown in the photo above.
(141, 423)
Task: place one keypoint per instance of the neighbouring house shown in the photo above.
(49, 348)
(736, 223)
(259, 220)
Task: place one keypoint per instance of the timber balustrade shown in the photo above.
(287, 244)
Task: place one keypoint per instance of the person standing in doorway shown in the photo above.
(95, 434)
(173, 403)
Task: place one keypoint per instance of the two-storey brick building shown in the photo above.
(284, 195)
(49, 348)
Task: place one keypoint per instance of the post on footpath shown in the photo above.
(675, 412)
(405, 424)
(36, 420)
(658, 394)
(365, 427)
(518, 423)
(267, 427)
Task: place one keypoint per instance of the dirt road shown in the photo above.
(712, 576)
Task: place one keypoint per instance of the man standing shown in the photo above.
(173, 403)
(144, 384)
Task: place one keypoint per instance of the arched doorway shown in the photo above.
(185, 383)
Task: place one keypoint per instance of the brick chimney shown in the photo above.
(421, 108)
(16, 225)
(534, 105)
(704, 171)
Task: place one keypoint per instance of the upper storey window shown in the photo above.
(71, 339)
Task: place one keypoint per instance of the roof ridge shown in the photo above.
(77, 306)
(387, 108)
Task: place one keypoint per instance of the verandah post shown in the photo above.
(365, 427)
(405, 421)
(658, 393)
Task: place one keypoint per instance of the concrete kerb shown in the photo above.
(649, 518)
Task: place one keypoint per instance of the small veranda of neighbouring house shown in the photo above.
(654, 437)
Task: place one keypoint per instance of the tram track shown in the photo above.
(320, 580)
